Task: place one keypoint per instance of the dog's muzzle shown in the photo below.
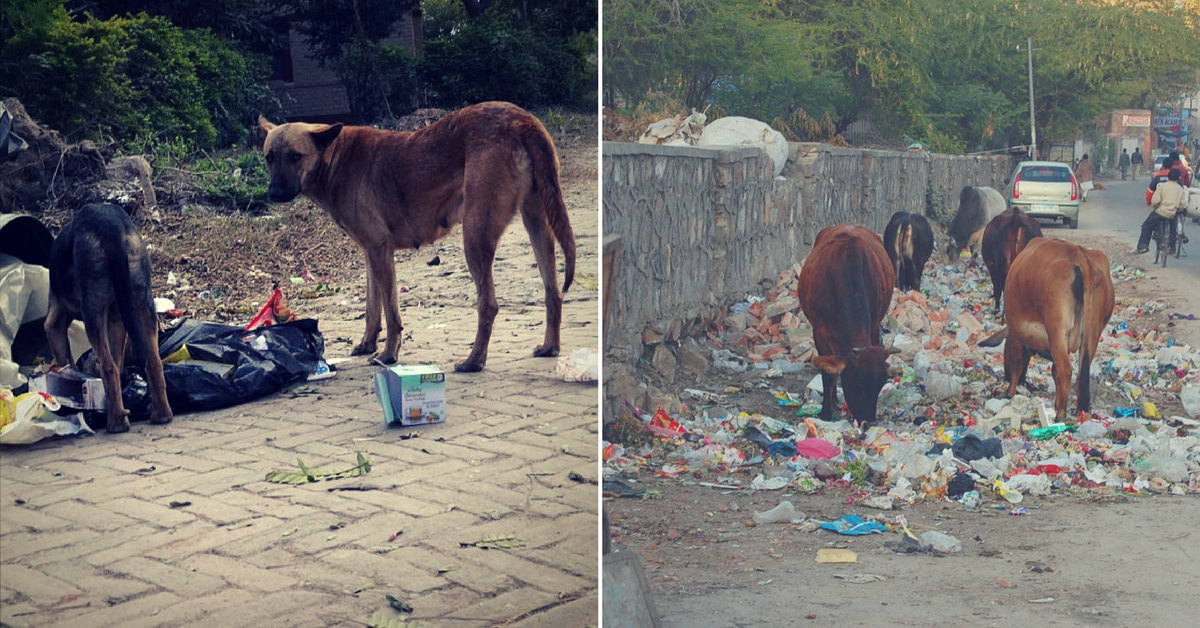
(280, 194)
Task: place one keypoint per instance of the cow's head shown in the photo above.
(954, 250)
(864, 371)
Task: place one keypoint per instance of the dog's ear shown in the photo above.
(265, 124)
(325, 137)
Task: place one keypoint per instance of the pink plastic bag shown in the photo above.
(816, 448)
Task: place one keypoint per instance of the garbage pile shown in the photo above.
(942, 433)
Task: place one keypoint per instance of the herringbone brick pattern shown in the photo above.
(95, 541)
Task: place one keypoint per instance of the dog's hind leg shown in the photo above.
(58, 319)
(479, 241)
(160, 408)
(381, 262)
(108, 344)
(543, 250)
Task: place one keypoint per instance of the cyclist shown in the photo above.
(1169, 198)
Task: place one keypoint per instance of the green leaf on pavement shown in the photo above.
(306, 475)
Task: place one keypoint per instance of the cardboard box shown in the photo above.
(412, 395)
(72, 389)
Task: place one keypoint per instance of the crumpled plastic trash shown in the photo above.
(971, 447)
(662, 425)
(854, 525)
(581, 365)
(33, 418)
(817, 448)
(761, 483)
(782, 513)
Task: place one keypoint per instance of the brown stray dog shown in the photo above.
(100, 274)
(396, 190)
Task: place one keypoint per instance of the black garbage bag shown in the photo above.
(971, 447)
(260, 362)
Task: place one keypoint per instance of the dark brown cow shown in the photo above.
(1003, 238)
(845, 290)
(908, 240)
(1060, 297)
(976, 207)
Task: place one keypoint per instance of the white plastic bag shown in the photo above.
(581, 365)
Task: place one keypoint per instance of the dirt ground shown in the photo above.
(1077, 558)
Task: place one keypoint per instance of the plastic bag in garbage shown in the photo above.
(33, 417)
(251, 364)
(581, 365)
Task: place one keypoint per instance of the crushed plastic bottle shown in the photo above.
(782, 513)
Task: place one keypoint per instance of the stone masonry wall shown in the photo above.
(705, 227)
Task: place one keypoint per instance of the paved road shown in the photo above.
(1112, 219)
(1118, 212)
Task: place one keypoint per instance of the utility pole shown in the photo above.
(1032, 125)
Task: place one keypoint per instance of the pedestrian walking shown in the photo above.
(1123, 163)
(1083, 174)
(1136, 161)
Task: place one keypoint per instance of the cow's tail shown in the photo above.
(1082, 316)
(904, 248)
(119, 273)
(540, 149)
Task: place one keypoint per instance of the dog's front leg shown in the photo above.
(381, 286)
(370, 339)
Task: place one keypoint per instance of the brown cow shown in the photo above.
(845, 290)
(1060, 297)
(1004, 237)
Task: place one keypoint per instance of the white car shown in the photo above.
(1046, 190)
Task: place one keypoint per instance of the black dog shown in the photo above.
(100, 274)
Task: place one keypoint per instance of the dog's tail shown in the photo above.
(120, 272)
(545, 178)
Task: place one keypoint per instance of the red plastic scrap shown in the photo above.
(662, 425)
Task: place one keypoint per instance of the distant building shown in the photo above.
(311, 93)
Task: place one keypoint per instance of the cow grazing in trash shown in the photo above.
(976, 207)
(1060, 297)
(845, 290)
(1003, 239)
(100, 274)
(908, 239)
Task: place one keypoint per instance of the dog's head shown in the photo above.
(293, 151)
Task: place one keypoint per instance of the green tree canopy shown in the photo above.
(947, 73)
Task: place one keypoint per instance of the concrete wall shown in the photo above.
(702, 228)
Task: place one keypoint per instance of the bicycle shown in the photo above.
(1162, 240)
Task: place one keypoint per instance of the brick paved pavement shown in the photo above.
(95, 542)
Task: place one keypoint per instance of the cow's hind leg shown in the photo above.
(1061, 370)
(1016, 363)
(542, 239)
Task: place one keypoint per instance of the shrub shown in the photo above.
(129, 78)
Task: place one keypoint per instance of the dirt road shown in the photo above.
(1076, 558)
